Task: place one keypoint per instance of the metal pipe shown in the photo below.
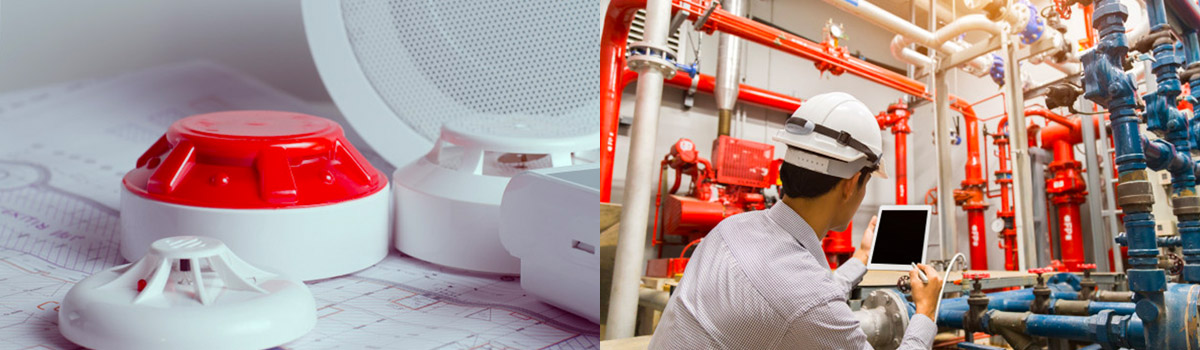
(652, 298)
(639, 181)
(1023, 212)
(949, 237)
(1187, 11)
(940, 40)
(1008, 236)
(729, 57)
(1162, 115)
(1110, 197)
(1100, 242)
(746, 93)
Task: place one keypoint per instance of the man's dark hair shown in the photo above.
(803, 183)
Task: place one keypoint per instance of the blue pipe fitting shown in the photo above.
(1095, 307)
(1066, 277)
(690, 69)
(973, 346)
(997, 70)
(1163, 241)
(1034, 27)
(1113, 325)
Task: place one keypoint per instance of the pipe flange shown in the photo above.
(1189, 205)
(895, 307)
(1191, 72)
(1135, 193)
(644, 56)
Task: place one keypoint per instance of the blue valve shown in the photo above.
(997, 70)
(690, 69)
(1034, 28)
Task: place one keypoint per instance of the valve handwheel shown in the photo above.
(904, 284)
(1063, 8)
(976, 275)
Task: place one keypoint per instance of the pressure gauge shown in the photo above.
(998, 225)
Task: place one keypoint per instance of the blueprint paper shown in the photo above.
(64, 149)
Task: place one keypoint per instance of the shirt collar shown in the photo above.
(795, 225)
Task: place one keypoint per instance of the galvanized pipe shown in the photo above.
(942, 117)
(639, 183)
(730, 50)
(1022, 187)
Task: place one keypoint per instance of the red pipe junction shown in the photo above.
(612, 66)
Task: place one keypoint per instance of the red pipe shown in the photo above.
(1090, 40)
(753, 31)
(838, 246)
(746, 93)
(972, 195)
(1008, 236)
(901, 166)
(896, 117)
(1066, 187)
(612, 62)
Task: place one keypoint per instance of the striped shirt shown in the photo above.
(760, 280)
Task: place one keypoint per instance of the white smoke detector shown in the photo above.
(187, 292)
(285, 190)
(548, 219)
(448, 202)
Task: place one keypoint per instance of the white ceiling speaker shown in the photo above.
(187, 292)
(499, 86)
(400, 69)
(448, 202)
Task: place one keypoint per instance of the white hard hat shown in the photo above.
(835, 134)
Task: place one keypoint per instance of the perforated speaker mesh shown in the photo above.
(436, 60)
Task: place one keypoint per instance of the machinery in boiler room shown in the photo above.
(1130, 72)
(734, 184)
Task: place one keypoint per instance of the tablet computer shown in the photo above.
(901, 237)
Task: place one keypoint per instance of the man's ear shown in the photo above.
(848, 186)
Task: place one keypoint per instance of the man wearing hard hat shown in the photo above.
(759, 280)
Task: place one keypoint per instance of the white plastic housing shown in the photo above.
(548, 219)
(156, 303)
(448, 202)
(306, 243)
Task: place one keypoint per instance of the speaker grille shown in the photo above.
(432, 61)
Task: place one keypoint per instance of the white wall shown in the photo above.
(53, 41)
(784, 73)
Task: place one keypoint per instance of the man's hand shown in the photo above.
(925, 295)
(868, 236)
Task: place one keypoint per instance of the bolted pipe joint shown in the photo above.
(1105, 81)
(1134, 191)
(1112, 331)
(1012, 326)
(645, 56)
(883, 318)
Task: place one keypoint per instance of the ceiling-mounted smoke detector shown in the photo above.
(448, 202)
(187, 292)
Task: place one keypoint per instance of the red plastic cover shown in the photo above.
(253, 159)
